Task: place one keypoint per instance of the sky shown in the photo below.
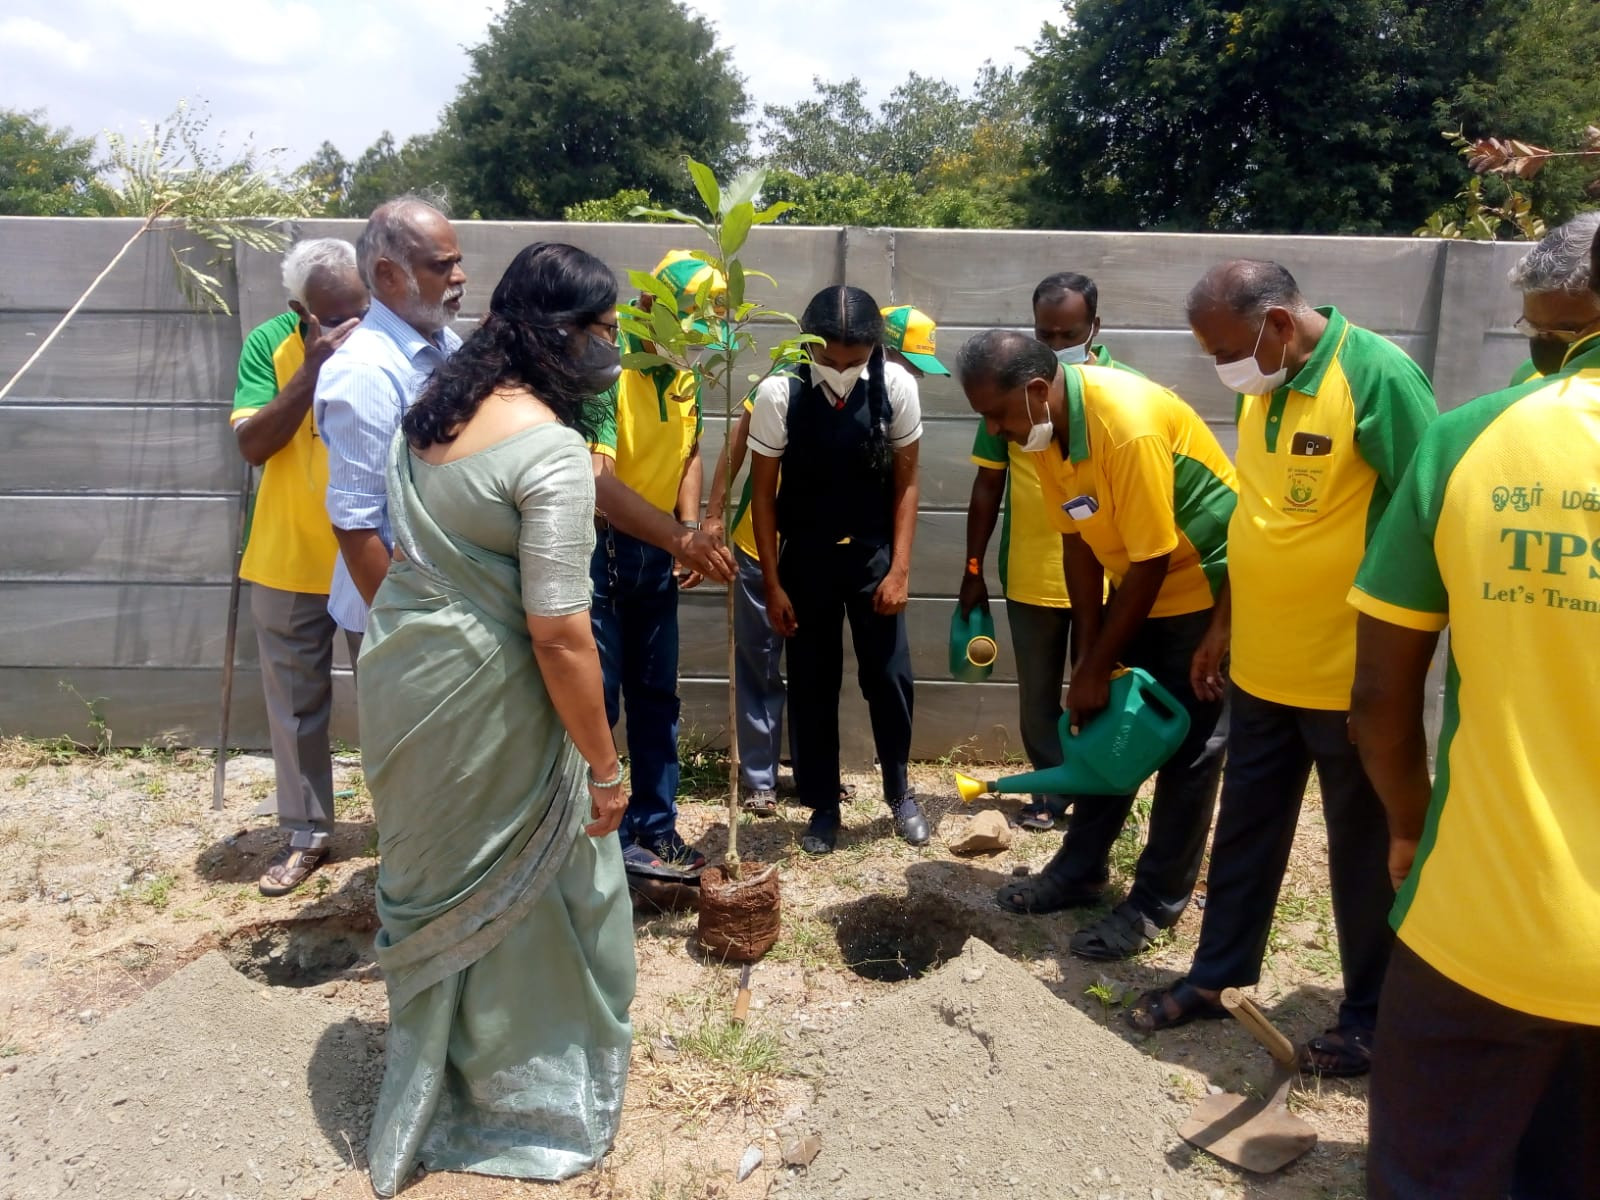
(264, 66)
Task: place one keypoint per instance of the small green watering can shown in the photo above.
(972, 645)
(1112, 754)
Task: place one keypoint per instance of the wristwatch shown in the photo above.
(690, 524)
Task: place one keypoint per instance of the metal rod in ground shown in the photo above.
(220, 775)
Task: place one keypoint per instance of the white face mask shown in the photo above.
(1040, 432)
(1071, 356)
(1245, 376)
(840, 383)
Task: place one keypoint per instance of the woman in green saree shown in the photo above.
(507, 935)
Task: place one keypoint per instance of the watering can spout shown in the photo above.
(1112, 754)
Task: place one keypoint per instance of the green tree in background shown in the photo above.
(45, 171)
(1297, 116)
(930, 156)
(384, 170)
(1545, 90)
(569, 100)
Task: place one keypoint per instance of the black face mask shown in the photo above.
(599, 363)
(1547, 355)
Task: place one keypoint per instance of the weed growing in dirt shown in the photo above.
(807, 940)
(1130, 842)
(702, 768)
(158, 891)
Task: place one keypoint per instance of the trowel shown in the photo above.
(1259, 1135)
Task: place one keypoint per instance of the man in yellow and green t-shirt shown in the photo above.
(1141, 493)
(1329, 417)
(910, 339)
(288, 559)
(649, 439)
(1487, 1081)
(1557, 301)
(1066, 318)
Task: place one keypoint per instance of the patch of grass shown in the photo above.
(21, 780)
(100, 828)
(1129, 845)
(807, 940)
(157, 892)
(155, 786)
(702, 769)
(700, 1061)
(10, 1050)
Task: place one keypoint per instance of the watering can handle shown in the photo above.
(1263, 1030)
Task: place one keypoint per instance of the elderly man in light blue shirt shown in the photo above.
(410, 260)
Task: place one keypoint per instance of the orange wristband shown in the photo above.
(974, 567)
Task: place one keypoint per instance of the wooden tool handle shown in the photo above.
(741, 1006)
(1263, 1030)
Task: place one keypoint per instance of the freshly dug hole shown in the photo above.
(890, 939)
(302, 953)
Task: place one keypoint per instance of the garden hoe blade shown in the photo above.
(1259, 1135)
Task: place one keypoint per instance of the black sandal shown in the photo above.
(1348, 1051)
(763, 802)
(1036, 816)
(1047, 893)
(1169, 1007)
(1123, 933)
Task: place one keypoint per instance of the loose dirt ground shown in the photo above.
(114, 873)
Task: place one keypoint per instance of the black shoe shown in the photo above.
(676, 854)
(822, 834)
(908, 819)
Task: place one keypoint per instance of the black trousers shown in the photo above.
(1475, 1101)
(827, 584)
(1186, 787)
(1271, 749)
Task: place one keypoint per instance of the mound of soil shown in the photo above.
(209, 1086)
(975, 1081)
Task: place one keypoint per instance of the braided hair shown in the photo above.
(849, 316)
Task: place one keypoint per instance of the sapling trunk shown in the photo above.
(733, 687)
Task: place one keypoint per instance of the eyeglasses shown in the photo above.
(1539, 333)
(612, 329)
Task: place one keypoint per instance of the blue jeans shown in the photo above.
(635, 619)
(757, 678)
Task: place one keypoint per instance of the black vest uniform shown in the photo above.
(835, 512)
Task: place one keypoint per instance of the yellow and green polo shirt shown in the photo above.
(651, 424)
(1525, 372)
(291, 545)
(1162, 483)
(1318, 460)
(1030, 546)
(1495, 531)
(744, 528)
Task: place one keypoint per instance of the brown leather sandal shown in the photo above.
(289, 870)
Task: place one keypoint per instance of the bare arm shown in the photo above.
(764, 519)
(1205, 668)
(269, 428)
(983, 510)
(366, 558)
(1386, 724)
(728, 464)
(1098, 654)
(694, 475)
(570, 664)
(893, 593)
(637, 517)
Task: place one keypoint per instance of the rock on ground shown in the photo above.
(976, 1082)
(209, 1086)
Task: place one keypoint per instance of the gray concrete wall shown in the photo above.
(119, 484)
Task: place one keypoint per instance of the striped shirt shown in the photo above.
(362, 393)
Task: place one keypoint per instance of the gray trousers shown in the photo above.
(1041, 637)
(295, 636)
(758, 679)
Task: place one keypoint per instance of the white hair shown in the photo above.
(333, 256)
(1559, 263)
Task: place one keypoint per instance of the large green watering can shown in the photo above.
(1112, 754)
(972, 645)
